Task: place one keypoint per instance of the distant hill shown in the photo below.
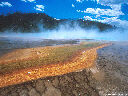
(29, 22)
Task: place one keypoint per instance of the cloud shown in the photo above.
(79, 1)
(95, 0)
(78, 10)
(89, 18)
(110, 15)
(24, 0)
(39, 7)
(5, 4)
(31, 0)
(28, 0)
(73, 5)
(109, 20)
(114, 11)
(109, 12)
(107, 2)
(115, 21)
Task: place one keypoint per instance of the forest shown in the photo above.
(29, 22)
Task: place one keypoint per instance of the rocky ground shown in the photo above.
(109, 77)
(112, 64)
(73, 84)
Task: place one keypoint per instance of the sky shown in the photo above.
(107, 11)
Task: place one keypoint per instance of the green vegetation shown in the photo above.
(29, 22)
(55, 55)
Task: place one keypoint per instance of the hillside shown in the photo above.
(29, 22)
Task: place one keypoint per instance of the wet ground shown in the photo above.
(108, 78)
(9, 44)
(112, 64)
(14, 43)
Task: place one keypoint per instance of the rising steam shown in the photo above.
(67, 32)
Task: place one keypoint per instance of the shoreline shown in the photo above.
(52, 70)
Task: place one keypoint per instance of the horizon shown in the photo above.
(110, 12)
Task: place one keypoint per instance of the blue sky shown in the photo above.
(106, 11)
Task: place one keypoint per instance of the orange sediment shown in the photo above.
(86, 59)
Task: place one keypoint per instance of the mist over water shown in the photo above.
(67, 32)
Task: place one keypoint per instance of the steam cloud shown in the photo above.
(67, 32)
